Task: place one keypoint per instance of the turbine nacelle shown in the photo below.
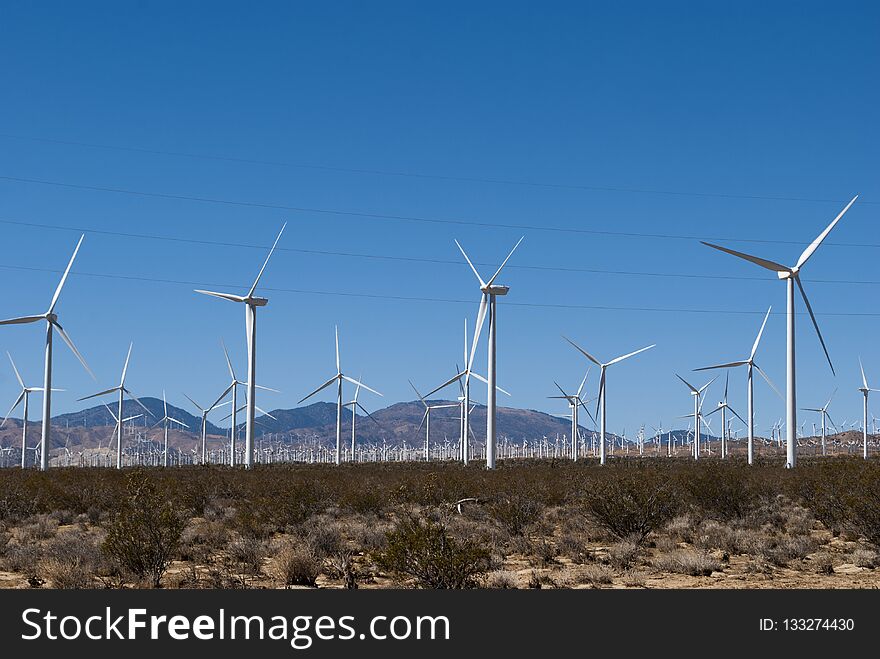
(495, 289)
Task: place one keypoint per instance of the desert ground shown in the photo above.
(634, 523)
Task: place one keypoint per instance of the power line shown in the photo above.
(405, 298)
(421, 175)
(415, 259)
(402, 218)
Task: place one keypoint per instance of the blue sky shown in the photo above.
(585, 117)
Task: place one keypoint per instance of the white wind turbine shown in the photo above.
(338, 378)
(575, 401)
(118, 427)
(792, 276)
(865, 389)
(23, 396)
(52, 323)
(426, 418)
(601, 399)
(122, 390)
(723, 406)
(164, 421)
(489, 291)
(698, 409)
(251, 303)
(205, 412)
(823, 411)
(463, 378)
(750, 362)
(355, 405)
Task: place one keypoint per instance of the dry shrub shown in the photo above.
(635, 579)
(629, 503)
(515, 513)
(23, 559)
(297, 565)
(502, 580)
(864, 558)
(781, 550)
(684, 561)
(341, 566)
(247, 554)
(594, 575)
(423, 550)
(40, 527)
(623, 555)
(66, 574)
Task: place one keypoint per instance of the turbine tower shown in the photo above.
(355, 405)
(865, 389)
(575, 401)
(338, 378)
(164, 420)
(23, 396)
(52, 323)
(600, 409)
(426, 418)
(489, 291)
(251, 303)
(205, 412)
(750, 362)
(120, 388)
(791, 276)
(823, 411)
(698, 409)
(723, 406)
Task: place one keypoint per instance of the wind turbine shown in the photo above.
(792, 276)
(338, 378)
(601, 404)
(118, 426)
(23, 396)
(865, 389)
(164, 420)
(251, 303)
(426, 418)
(122, 390)
(463, 378)
(489, 291)
(355, 405)
(52, 323)
(723, 406)
(698, 408)
(575, 401)
(205, 412)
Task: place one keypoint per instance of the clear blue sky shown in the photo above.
(765, 113)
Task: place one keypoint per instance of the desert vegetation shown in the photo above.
(540, 524)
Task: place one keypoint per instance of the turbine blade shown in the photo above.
(223, 296)
(478, 328)
(418, 394)
(764, 263)
(14, 405)
(18, 377)
(765, 376)
(479, 377)
(480, 279)
(321, 388)
(257, 280)
(760, 332)
(583, 382)
(21, 320)
(712, 412)
(228, 363)
(632, 354)
(688, 384)
(338, 369)
(125, 368)
(259, 386)
(424, 416)
(504, 262)
(706, 386)
(264, 412)
(815, 324)
(601, 395)
(728, 365)
(444, 385)
(178, 422)
(361, 384)
(587, 410)
(137, 400)
(583, 352)
(112, 414)
(561, 390)
(862, 369)
(726, 384)
(64, 276)
(221, 397)
(100, 393)
(813, 246)
(73, 349)
(364, 410)
(737, 415)
(197, 406)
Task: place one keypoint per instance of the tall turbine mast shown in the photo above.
(791, 276)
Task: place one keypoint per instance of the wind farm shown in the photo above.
(514, 274)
